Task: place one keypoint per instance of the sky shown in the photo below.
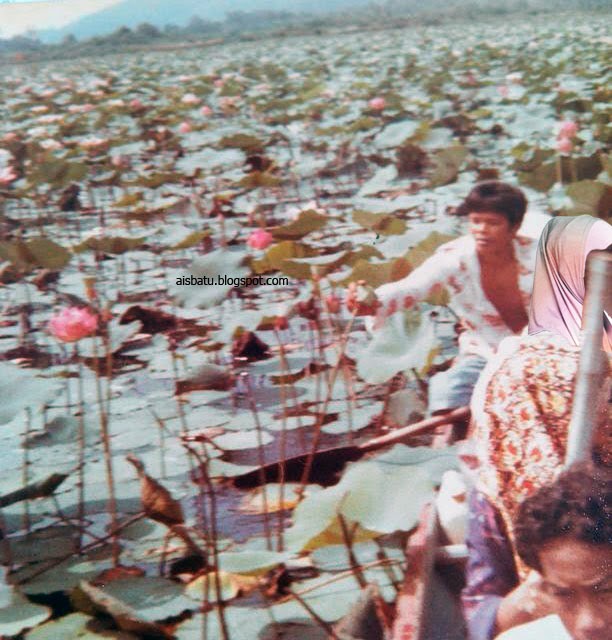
(17, 16)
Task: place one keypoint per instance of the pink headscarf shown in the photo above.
(558, 286)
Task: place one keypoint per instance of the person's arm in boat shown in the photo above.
(416, 286)
(490, 571)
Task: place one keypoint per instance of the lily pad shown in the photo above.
(17, 613)
(403, 343)
(20, 389)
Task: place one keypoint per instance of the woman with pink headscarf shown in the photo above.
(559, 281)
(521, 410)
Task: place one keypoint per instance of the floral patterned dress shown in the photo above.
(521, 409)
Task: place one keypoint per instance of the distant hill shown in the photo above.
(131, 13)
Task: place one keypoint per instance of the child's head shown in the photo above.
(493, 196)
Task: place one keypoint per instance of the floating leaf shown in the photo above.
(129, 200)
(237, 440)
(383, 495)
(302, 267)
(20, 389)
(274, 497)
(403, 343)
(17, 613)
(118, 335)
(204, 587)
(57, 172)
(114, 245)
(306, 222)
(275, 256)
(384, 223)
(378, 273)
(590, 197)
(207, 376)
(248, 143)
(209, 292)
(136, 603)
(77, 626)
(446, 165)
(35, 252)
(255, 179)
(426, 248)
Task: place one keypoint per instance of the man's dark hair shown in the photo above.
(496, 197)
(575, 506)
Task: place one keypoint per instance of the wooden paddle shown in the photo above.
(328, 462)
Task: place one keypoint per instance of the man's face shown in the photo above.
(578, 577)
(492, 231)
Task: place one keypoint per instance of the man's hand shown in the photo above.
(383, 312)
(393, 305)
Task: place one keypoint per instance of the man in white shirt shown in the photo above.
(489, 276)
(564, 532)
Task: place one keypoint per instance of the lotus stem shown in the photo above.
(387, 567)
(351, 399)
(312, 613)
(203, 462)
(572, 169)
(108, 460)
(6, 543)
(321, 416)
(559, 169)
(347, 536)
(88, 547)
(161, 427)
(261, 460)
(283, 439)
(81, 448)
(25, 471)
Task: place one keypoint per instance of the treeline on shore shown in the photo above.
(250, 25)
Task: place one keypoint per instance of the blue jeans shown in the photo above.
(453, 388)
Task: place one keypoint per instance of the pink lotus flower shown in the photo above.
(333, 303)
(377, 104)
(184, 127)
(37, 132)
(72, 324)
(50, 144)
(228, 102)
(7, 175)
(206, 110)
(50, 118)
(281, 323)
(567, 129)
(504, 92)
(470, 79)
(218, 83)
(121, 161)
(259, 239)
(190, 98)
(81, 108)
(136, 104)
(93, 143)
(564, 145)
(11, 136)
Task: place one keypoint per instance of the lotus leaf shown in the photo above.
(19, 389)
